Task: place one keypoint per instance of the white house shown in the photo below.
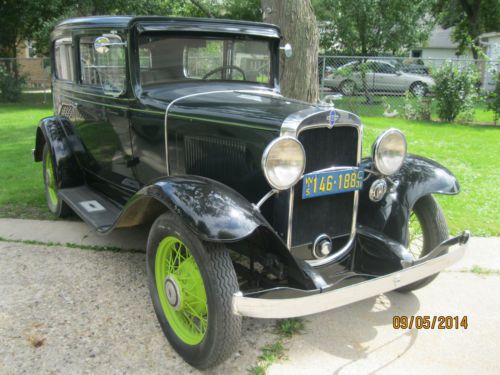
(439, 47)
(491, 45)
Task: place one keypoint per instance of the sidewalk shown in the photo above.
(483, 251)
(73, 232)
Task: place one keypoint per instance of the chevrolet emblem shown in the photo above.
(331, 118)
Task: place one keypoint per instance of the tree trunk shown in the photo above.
(299, 74)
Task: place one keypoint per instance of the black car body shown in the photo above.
(147, 124)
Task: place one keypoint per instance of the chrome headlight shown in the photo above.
(389, 151)
(283, 162)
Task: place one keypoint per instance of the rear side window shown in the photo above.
(63, 57)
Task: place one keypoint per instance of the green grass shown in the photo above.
(290, 327)
(285, 329)
(472, 153)
(358, 105)
(21, 190)
(483, 271)
(70, 245)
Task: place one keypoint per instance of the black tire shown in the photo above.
(55, 204)
(348, 87)
(220, 281)
(434, 231)
(419, 89)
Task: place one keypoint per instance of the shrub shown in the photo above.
(11, 85)
(455, 91)
(494, 98)
(417, 107)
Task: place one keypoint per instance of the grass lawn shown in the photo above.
(358, 105)
(471, 152)
(21, 190)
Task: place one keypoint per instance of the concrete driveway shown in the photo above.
(67, 310)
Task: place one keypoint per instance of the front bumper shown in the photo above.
(258, 307)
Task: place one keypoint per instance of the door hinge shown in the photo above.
(132, 162)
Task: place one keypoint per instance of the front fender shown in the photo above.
(216, 213)
(417, 177)
(213, 211)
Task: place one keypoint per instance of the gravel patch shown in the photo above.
(77, 311)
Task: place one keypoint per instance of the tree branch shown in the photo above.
(202, 8)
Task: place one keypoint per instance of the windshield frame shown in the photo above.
(273, 54)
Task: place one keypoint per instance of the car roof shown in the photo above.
(159, 23)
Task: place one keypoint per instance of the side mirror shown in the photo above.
(287, 48)
(102, 43)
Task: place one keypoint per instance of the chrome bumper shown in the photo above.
(315, 303)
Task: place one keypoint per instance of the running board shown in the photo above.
(91, 206)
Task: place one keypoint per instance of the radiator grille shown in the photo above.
(331, 214)
(217, 158)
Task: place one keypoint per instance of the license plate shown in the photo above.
(337, 181)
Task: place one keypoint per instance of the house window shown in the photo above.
(63, 56)
(416, 54)
(30, 49)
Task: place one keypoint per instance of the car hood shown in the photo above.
(241, 104)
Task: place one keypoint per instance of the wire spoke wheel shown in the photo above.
(426, 229)
(181, 290)
(416, 236)
(192, 284)
(50, 179)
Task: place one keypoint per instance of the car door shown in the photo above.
(103, 120)
(386, 77)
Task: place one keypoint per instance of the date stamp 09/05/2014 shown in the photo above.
(430, 322)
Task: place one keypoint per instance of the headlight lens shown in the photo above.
(283, 162)
(389, 151)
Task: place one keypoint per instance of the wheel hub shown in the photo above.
(173, 292)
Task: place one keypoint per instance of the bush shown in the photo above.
(417, 107)
(10, 85)
(455, 91)
(494, 98)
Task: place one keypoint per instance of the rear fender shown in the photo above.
(417, 177)
(53, 131)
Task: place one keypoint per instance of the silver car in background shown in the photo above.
(379, 76)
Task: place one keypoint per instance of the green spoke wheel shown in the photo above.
(181, 290)
(426, 229)
(192, 285)
(56, 205)
(51, 180)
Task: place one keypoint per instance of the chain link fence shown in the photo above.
(367, 86)
(381, 86)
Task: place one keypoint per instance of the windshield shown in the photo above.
(165, 59)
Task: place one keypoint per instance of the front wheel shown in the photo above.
(192, 284)
(427, 228)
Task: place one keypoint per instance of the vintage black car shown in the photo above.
(257, 205)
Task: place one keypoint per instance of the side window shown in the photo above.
(386, 68)
(102, 62)
(63, 57)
